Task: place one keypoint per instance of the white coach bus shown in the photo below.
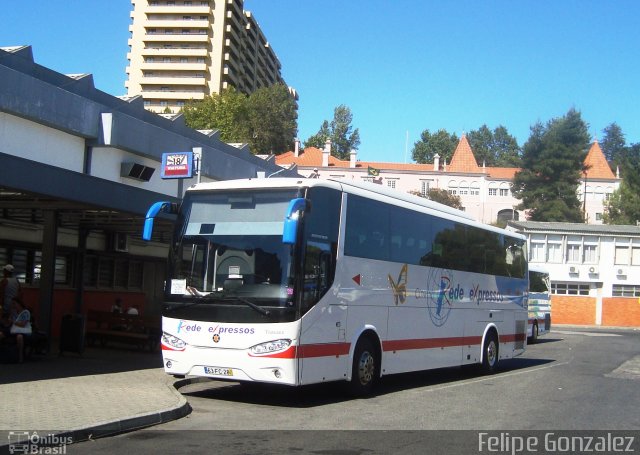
(297, 281)
(539, 303)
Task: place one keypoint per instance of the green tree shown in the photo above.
(272, 120)
(624, 205)
(495, 148)
(266, 119)
(318, 140)
(441, 196)
(440, 142)
(343, 137)
(225, 112)
(552, 166)
(613, 143)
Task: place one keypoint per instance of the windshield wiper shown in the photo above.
(249, 303)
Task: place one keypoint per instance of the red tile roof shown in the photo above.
(463, 159)
(597, 164)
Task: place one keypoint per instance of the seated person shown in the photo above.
(21, 326)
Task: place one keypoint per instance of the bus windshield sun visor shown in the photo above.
(291, 220)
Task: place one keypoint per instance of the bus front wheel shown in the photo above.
(490, 353)
(365, 368)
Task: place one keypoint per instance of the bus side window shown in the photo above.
(321, 226)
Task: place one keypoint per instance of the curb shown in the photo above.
(116, 427)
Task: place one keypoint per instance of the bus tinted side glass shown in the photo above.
(321, 227)
(375, 230)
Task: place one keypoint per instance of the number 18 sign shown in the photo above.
(177, 165)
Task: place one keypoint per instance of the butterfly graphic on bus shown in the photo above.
(399, 287)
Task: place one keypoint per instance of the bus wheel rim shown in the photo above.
(366, 368)
(491, 352)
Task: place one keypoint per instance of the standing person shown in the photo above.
(9, 288)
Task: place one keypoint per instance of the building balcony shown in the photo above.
(173, 94)
(177, 23)
(173, 66)
(230, 31)
(175, 38)
(178, 9)
(159, 52)
(173, 80)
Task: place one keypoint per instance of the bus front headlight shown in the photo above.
(270, 347)
(173, 342)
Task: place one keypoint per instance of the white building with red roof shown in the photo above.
(485, 192)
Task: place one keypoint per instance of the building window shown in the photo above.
(626, 290)
(622, 255)
(504, 192)
(590, 254)
(424, 187)
(569, 288)
(598, 216)
(391, 183)
(554, 252)
(537, 252)
(493, 191)
(635, 255)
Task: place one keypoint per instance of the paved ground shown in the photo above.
(104, 391)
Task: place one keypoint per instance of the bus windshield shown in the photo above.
(538, 281)
(229, 256)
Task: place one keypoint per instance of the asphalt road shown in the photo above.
(573, 382)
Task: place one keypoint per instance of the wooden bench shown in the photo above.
(104, 327)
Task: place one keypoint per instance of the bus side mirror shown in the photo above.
(153, 211)
(291, 220)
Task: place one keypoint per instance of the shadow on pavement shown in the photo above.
(336, 392)
(92, 361)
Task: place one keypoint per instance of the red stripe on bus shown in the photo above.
(323, 350)
(512, 337)
(338, 349)
(429, 343)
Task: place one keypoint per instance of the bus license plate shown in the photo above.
(218, 371)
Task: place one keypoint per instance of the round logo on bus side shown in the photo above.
(440, 282)
(216, 337)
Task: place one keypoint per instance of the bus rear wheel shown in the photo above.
(490, 353)
(364, 371)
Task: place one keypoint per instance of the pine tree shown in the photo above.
(552, 166)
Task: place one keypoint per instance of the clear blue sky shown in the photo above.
(400, 66)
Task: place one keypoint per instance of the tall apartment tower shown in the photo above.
(187, 49)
